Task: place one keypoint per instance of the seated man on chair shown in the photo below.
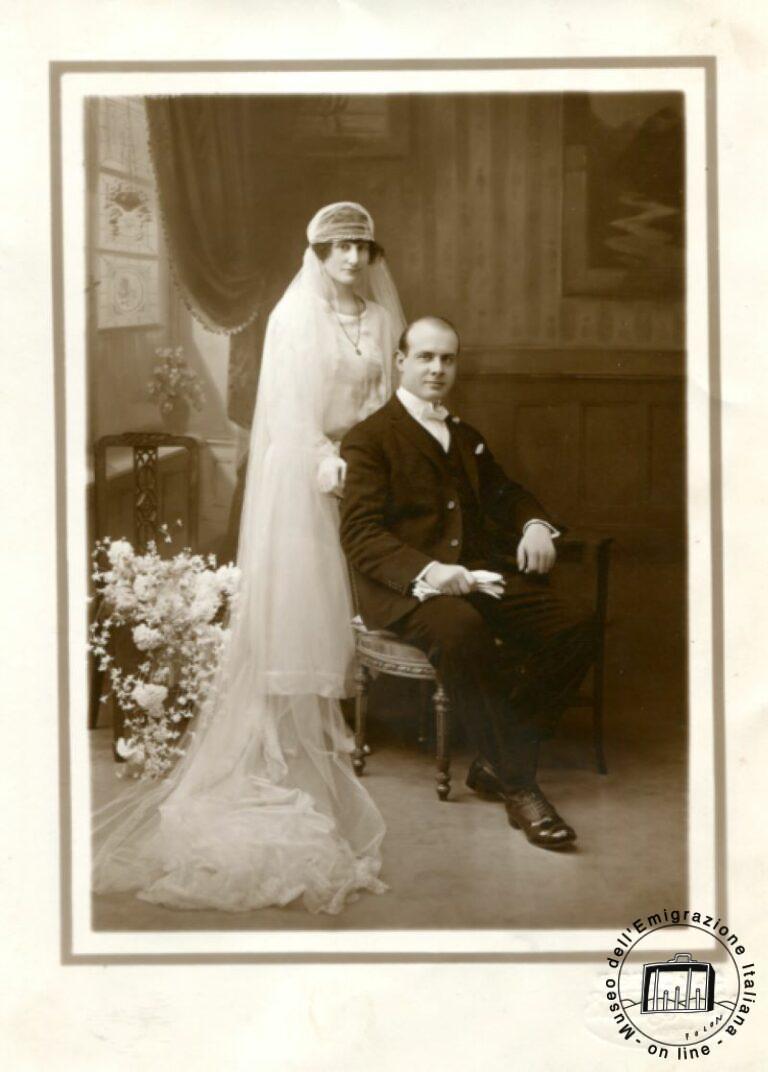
(422, 493)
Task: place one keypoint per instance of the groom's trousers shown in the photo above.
(509, 666)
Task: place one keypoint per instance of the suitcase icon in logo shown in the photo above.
(681, 984)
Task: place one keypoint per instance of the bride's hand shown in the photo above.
(330, 476)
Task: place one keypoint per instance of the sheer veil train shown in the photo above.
(264, 807)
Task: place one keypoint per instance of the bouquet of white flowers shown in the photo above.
(174, 609)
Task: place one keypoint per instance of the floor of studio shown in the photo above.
(459, 864)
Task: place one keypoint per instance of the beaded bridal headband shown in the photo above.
(339, 221)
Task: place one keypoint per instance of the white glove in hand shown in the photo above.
(490, 583)
(449, 580)
(330, 475)
(454, 579)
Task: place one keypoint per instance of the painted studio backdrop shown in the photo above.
(549, 228)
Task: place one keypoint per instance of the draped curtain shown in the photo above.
(215, 194)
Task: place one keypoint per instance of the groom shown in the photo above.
(425, 503)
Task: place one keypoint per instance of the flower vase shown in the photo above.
(176, 418)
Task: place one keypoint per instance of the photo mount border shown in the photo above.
(57, 71)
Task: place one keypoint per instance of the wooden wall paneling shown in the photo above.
(589, 312)
(476, 394)
(614, 454)
(623, 325)
(405, 249)
(479, 260)
(581, 475)
(511, 269)
(547, 452)
(663, 323)
(643, 322)
(498, 181)
(607, 318)
(569, 323)
(574, 223)
(428, 153)
(384, 201)
(442, 290)
(647, 459)
(599, 450)
(550, 194)
(532, 268)
(667, 453)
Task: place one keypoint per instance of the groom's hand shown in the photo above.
(450, 580)
(536, 550)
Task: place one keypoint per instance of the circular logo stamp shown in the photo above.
(680, 983)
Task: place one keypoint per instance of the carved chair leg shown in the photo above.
(603, 566)
(425, 702)
(442, 718)
(361, 706)
(94, 698)
(597, 715)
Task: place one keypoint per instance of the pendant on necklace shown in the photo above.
(354, 343)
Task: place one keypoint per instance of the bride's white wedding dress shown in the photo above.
(264, 806)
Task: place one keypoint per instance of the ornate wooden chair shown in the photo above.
(381, 652)
(597, 554)
(149, 509)
(147, 485)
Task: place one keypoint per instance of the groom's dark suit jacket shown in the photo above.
(407, 503)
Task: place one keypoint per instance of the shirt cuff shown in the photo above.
(553, 532)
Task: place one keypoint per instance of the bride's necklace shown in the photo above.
(359, 305)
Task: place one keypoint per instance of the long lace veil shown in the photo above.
(264, 807)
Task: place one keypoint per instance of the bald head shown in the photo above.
(426, 358)
(434, 321)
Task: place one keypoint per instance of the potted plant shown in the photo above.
(175, 387)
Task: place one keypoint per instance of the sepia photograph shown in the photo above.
(383, 426)
(384, 603)
(386, 509)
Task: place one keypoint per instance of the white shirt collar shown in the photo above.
(419, 409)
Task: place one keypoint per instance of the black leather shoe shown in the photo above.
(530, 811)
(527, 808)
(483, 780)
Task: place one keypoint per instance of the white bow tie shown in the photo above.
(431, 411)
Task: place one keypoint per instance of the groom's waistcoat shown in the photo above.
(407, 503)
(473, 546)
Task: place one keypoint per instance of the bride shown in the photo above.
(264, 807)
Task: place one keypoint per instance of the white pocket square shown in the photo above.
(479, 448)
